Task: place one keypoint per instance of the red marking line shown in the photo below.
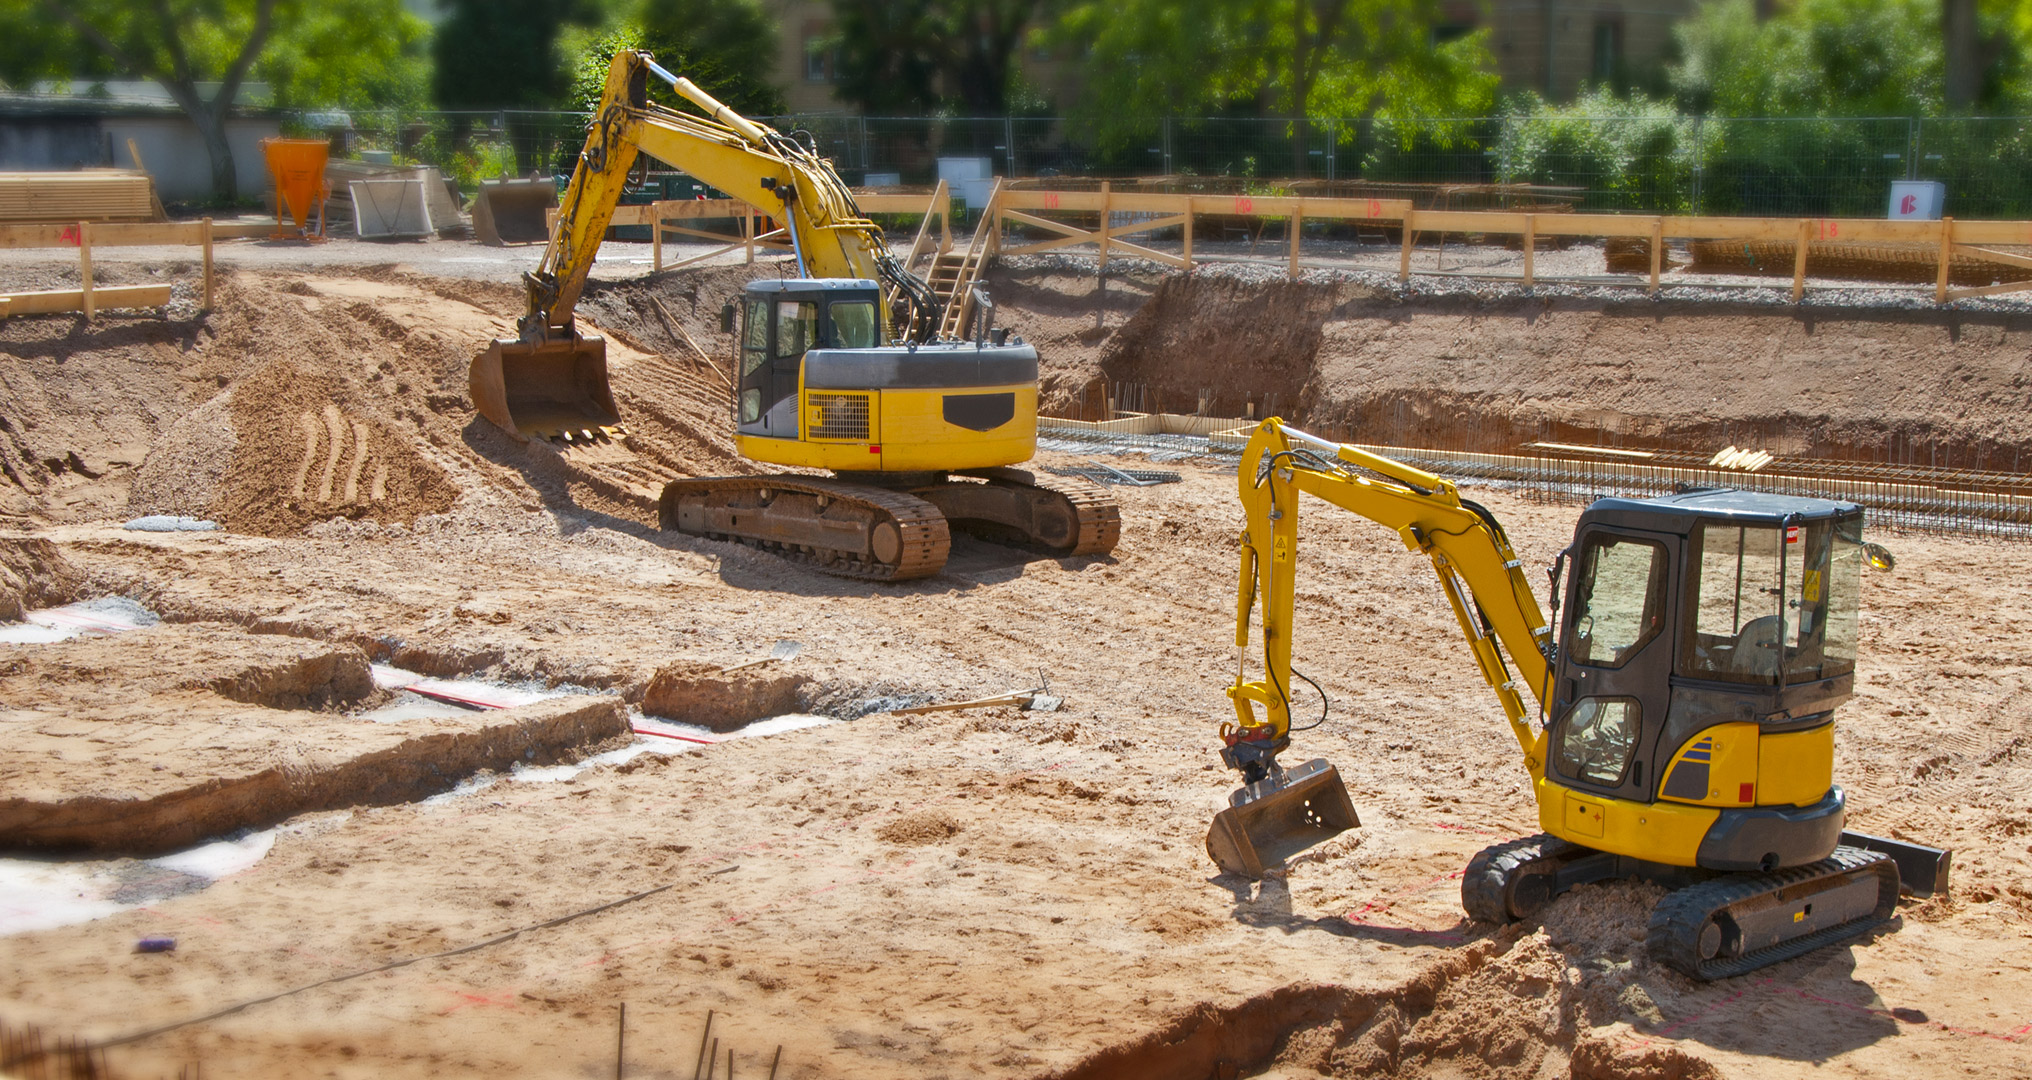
(1360, 916)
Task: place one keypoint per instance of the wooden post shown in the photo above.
(1404, 259)
(1530, 247)
(1799, 259)
(1107, 201)
(1188, 234)
(748, 232)
(1657, 251)
(207, 233)
(85, 264)
(944, 197)
(1297, 227)
(656, 237)
(1946, 256)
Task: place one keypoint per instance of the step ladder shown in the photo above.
(955, 273)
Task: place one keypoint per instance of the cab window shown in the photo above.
(1620, 602)
(796, 328)
(1769, 597)
(854, 325)
(1595, 742)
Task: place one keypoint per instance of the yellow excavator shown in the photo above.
(1685, 704)
(839, 368)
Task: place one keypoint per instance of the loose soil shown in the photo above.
(990, 892)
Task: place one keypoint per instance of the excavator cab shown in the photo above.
(780, 322)
(1708, 639)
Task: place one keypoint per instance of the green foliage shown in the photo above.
(723, 47)
(1627, 151)
(503, 54)
(903, 57)
(1814, 57)
(355, 54)
(1342, 58)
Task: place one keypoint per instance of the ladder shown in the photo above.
(954, 273)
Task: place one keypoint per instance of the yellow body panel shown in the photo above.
(910, 434)
(1658, 832)
(1796, 767)
(1731, 765)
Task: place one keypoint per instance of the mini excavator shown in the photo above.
(1685, 705)
(839, 369)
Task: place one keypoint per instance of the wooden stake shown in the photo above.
(703, 1036)
(85, 265)
(1799, 259)
(1946, 255)
(1188, 239)
(1297, 227)
(207, 233)
(1107, 200)
(656, 237)
(1404, 259)
(748, 234)
(1657, 251)
(620, 1039)
(1530, 246)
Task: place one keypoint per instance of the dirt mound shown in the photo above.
(304, 452)
(1495, 1010)
(922, 827)
(691, 692)
(33, 574)
(1932, 387)
(378, 767)
(254, 669)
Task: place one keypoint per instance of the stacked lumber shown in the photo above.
(84, 195)
(1910, 263)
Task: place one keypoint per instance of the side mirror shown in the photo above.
(727, 318)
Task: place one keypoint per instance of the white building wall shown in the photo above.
(174, 153)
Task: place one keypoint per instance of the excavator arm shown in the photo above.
(549, 381)
(1479, 573)
(748, 161)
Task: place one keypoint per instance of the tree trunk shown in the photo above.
(1964, 68)
(211, 124)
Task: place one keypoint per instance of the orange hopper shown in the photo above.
(298, 166)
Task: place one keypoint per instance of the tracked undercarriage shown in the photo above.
(1711, 925)
(884, 533)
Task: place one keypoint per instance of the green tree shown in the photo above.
(917, 56)
(1289, 58)
(341, 52)
(1842, 58)
(502, 54)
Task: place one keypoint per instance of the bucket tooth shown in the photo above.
(1269, 821)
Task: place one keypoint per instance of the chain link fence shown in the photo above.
(1789, 167)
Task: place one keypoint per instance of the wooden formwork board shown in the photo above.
(85, 236)
(97, 195)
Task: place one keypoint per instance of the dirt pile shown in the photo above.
(254, 669)
(691, 692)
(1932, 387)
(376, 765)
(33, 574)
(1521, 1004)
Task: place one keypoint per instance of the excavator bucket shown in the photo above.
(511, 212)
(552, 390)
(1271, 820)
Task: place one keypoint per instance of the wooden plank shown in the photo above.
(1657, 251)
(106, 296)
(1990, 290)
(1993, 232)
(85, 269)
(1946, 230)
(1297, 227)
(1404, 258)
(1800, 239)
(1989, 255)
(1530, 247)
(207, 226)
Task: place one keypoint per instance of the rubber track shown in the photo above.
(925, 537)
(1100, 517)
(1673, 938)
(1487, 880)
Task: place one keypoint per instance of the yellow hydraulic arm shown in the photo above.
(1478, 571)
(748, 161)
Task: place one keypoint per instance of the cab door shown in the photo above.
(774, 337)
(1613, 683)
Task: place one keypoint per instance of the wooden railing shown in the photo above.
(1947, 238)
(660, 215)
(89, 298)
